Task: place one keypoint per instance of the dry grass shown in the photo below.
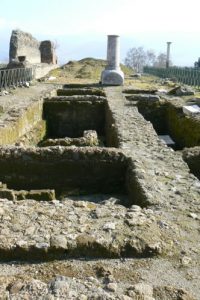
(87, 70)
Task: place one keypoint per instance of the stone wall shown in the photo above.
(65, 169)
(25, 50)
(71, 115)
(47, 50)
(192, 158)
(24, 44)
(167, 117)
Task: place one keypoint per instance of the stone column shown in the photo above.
(168, 54)
(112, 75)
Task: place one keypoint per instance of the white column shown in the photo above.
(112, 75)
(168, 54)
(113, 52)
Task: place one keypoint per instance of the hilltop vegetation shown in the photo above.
(84, 69)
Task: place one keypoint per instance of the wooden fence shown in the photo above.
(15, 77)
(188, 76)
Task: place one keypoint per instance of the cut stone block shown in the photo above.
(191, 109)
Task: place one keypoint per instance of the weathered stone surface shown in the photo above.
(25, 49)
(60, 229)
(71, 115)
(89, 138)
(47, 50)
(22, 112)
(24, 44)
(181, 91)
(192, 157)
(80, 91)
(65, 169)
(164, 235)
(145, 97)
(112, 75)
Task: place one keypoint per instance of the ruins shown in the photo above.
(93, 203)
(112, 75)
(26, 51)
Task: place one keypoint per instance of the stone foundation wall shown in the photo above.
(192, 158)
(21, 124)
(167, 117)
(25, 123)
(65, 169)
(70, 116)
(184, 129)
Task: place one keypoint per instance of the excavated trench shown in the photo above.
(67, 152)
(170, 123)
(69, 171)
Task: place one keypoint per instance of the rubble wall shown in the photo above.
(192, 158)
(184, 129)
(65, 169)
(70, 116)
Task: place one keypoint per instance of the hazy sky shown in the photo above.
(80, 27)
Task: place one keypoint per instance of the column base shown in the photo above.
(112, 77)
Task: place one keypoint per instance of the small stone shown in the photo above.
(109, 226)
(80, 204)
(42, 246)
(21, 243)
(144, 289)
(58, 242)
(15, 288)
(135, 208)
(1, 211)
(125, 297)
(112, 286)
(131, 294)
(83, 297)
(185, 260)
(27, 84)
(193, 216)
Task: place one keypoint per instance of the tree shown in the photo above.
(160, 61)
(137, 58)
(151, 57)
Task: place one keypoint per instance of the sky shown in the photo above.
(80, 27)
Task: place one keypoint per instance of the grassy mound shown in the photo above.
(87, 68)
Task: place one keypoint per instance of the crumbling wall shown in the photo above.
(70, 116)
(47, 50)
(65, 169)
(184, 129)
(24, 44)
(192, 158)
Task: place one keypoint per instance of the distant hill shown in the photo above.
(87, 68)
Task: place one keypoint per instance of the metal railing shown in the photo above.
(188, 76)
(15, 77)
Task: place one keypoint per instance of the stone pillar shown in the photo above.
(168, 54)
(112, 75)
